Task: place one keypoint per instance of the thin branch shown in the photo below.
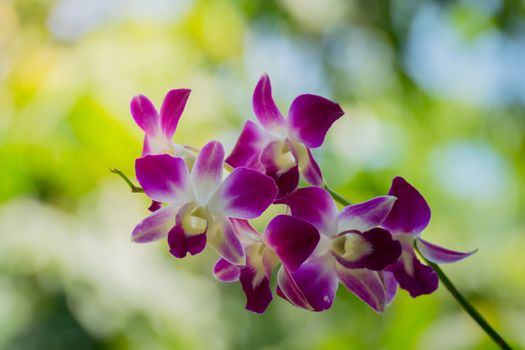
(135, 189)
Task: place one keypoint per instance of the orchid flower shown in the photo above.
(409, 216)
(286, 239)
(159, 130)
(353, 249)
(199, 204)
(282, 147)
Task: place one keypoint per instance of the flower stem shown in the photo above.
(469, 309)
(131, 185)
(336, 196)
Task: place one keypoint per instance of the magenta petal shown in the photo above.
(410, 213)
(248, 147)
(308, 167)
(311, 171)
(286, 182)
(156, 226)
(154, 206)
(378, 247)
(365, 284)
(223, 239)
(312, 286)
(225, 271)
(310, 117)
(256, 288)
(389, 280)
(164, 178)
(171, 110)
(264, 107)
(244, 194)
(145, 114)
(440, 255)
(206, 174)
(180, 243)
(314, 205)
(366, 215)
(292, 239)
(413, 276)
(244, 229)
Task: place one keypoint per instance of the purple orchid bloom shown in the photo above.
(199, 204)
(353, 249)
(159, 129)
(282, 147)
(286, 239)
(409, 216)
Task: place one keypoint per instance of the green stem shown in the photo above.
(131, 185)
(469, 309)
(476, 316)
(338, 198)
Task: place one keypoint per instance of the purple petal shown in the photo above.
(310, 117)
(181, 244)
(311, 171)
(390, 283)
(244, 229)
(307, 164)
(312, 286)
(365, 284)
(156, 226)
(292, 239)
(256, 288)
(225, 271)
(374, 249)
(440, 255)
(206, 174)
(286, 182)
(314, 205)
(264, 107)
(146, 146)
(164, 178)
(244, 194)
(171, 110)
(223, 239)
(410, 213)
(366, 215)
(413, 276)
(248, 147)
(145, 114)
(188, 235)
(154, 206)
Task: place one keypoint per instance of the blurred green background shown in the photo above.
(434, 91)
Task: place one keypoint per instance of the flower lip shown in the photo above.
(374, 249)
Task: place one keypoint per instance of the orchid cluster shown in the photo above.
(202, 198)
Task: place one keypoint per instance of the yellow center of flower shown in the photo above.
(351, 246)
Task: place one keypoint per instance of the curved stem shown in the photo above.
(336, 196)
(131, 185)
(469, 309)
(466, 305)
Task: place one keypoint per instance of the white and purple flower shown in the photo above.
(199, 205)
(160, 128)
(353, 250)
(286, 239)
(409, 216)
(282, 147)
